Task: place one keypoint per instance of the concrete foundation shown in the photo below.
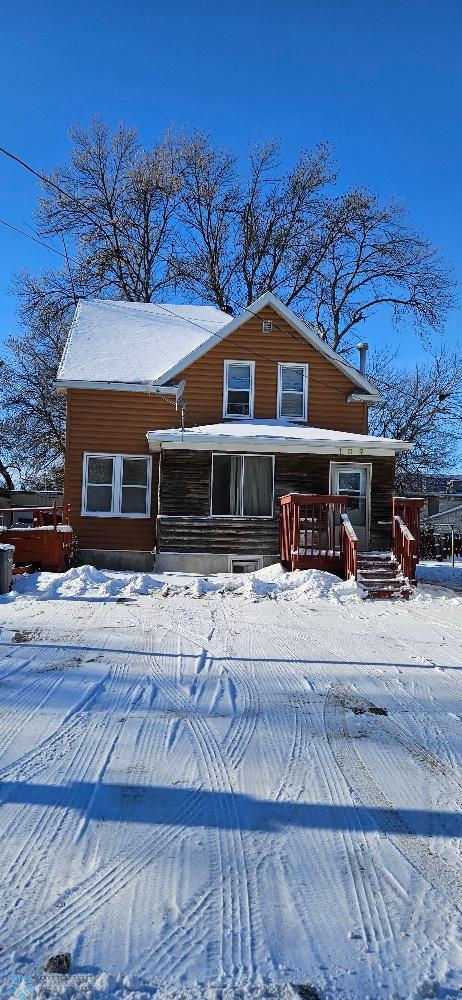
(205, 562)
(124, 559)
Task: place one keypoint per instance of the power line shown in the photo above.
(29, 237)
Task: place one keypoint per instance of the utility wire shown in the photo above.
(29, 237)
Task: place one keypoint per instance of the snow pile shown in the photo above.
(86, 582)
(105, 986)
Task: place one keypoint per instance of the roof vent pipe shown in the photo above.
(363, 349)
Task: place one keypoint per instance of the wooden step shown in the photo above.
(380, 577)
(393, 583)
(386, 594)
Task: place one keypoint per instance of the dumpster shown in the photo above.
(6, 567)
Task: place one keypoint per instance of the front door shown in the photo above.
(353, 480)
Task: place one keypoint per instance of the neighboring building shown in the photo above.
(25, 498)
(443, 512)
(268, 409)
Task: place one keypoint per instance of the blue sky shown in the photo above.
(381, 80)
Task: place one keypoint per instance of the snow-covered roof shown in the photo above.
(270, 435)
(133, 342)
(131, 345)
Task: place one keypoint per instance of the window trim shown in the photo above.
(305, 367)
(239, 416)
(243, 517)
(117, 468)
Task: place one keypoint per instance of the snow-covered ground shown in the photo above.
(441, 573)
(218, 788)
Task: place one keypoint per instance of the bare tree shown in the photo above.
(422, 404)
(335, 260)
(241, 237)
(117, 202)
(32, 427)
(376, 261)
(183, 216)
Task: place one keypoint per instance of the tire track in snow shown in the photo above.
(367, 892)
(441, 876)
(55, 828)
(236, 949)
(73, 909)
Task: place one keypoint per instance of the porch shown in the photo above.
(315, 532)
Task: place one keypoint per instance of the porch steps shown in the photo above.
(380, 577)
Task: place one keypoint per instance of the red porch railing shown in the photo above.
(404, 548)
(406, 534)
(315, 533)
(349, 548)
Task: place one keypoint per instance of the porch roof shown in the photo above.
(271, 436)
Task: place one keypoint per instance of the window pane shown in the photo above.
(349, 482)
(238, 376)
(292, 404)
(226, 487)
(135, 472)
(133, 500)
(258, 485)
(99, 498)
(292, 378)
(238, 402)
(356, 511)
(100, 470)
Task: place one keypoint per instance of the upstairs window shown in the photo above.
(242, 485)
(292, 392)
(238, 389)
(116, 486)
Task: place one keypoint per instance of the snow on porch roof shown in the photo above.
(133, 342)
(270, 435)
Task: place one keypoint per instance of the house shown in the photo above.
(185, 426)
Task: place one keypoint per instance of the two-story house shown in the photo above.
(185, 426)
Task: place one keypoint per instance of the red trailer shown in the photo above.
(45, 543)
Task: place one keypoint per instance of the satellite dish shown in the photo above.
(180, 392)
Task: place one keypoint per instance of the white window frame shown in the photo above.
(293, 364)
(117, 469)
(239, 416)
(243, 517)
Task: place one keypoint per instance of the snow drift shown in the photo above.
(272, 582)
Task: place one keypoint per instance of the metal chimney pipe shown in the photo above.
(363, 349)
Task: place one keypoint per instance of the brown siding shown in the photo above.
(327, 389)
(185, 482)
(293, 474)
(218, 534)
(114, 422)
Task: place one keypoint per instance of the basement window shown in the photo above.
(116, 486)
(244, 564)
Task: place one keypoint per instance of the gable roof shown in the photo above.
(304, 329)
(125, 344)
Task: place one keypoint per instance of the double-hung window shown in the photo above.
(238, 389)
(292, 392)
(116, 486)
(242, 485)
